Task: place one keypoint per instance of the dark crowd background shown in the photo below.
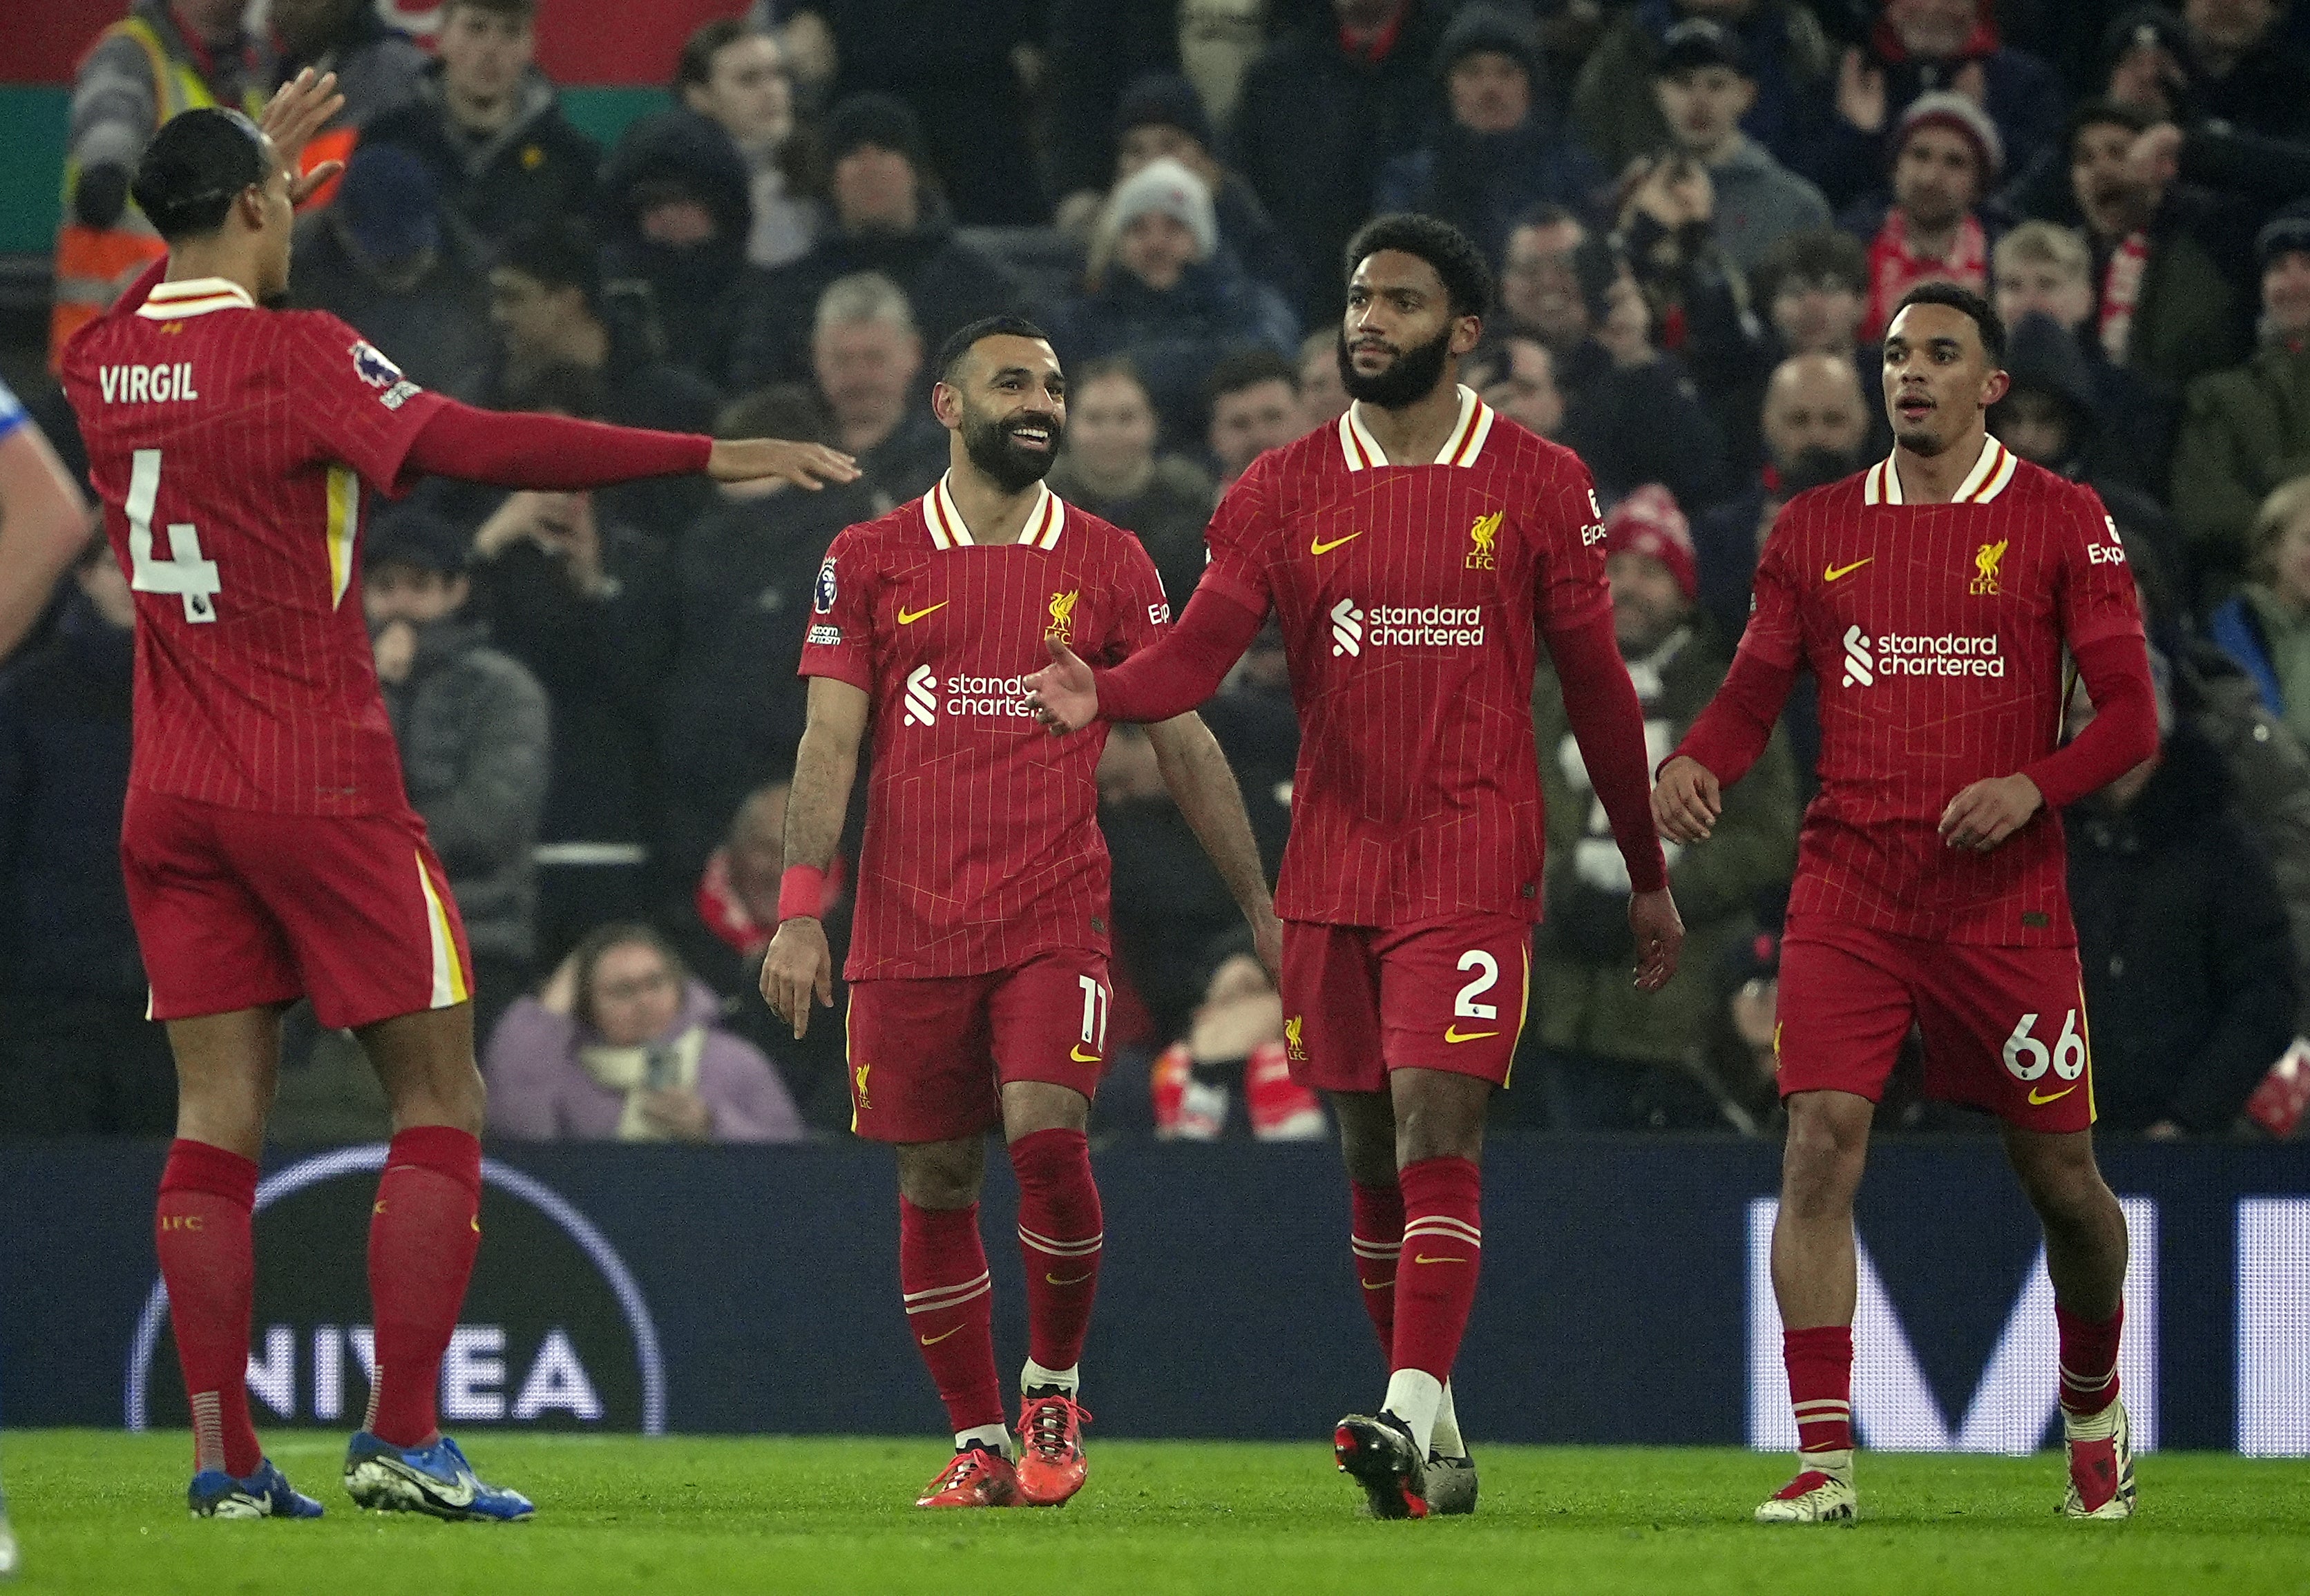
(1699, 212)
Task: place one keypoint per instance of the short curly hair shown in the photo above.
(1467, 277)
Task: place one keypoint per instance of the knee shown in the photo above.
(943, 1174)
(1821, 1163)
(2068, 1190)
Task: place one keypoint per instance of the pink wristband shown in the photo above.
(802, 893)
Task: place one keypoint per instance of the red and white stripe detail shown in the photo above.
(1378, 1252)
(208, 1432)
(1826, 1408)
(195, 296)
(1987, 479)
(1444, 1227)
(944, 518)
(1460, 448)
(1053, 1248)
(935, 1298)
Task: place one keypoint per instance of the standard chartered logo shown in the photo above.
(1432, 626)
(1896, 654)
(921, 696)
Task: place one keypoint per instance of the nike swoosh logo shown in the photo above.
(1071, 1280)
(908, 617)
(1374, 1285)
(934, 1341)
(1832, 572)
(1455, 1034)
(1080, 1057)
(1424, 1258)
(1319, 546)
(2049, 1097)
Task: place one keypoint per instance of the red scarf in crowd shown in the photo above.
(2121, 292)
(1885, 41)
(1895, 268)
(727, 916)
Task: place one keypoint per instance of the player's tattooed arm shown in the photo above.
(799, 965)
(1204, 788)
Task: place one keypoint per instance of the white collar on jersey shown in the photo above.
(1461, 448)
(1983, 483)
(943, 517)
(195, 296)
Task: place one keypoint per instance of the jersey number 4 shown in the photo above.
(184, 572)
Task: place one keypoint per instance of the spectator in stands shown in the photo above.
(2165, 306)
(1323, 107)
(735, 73)
(867, 359)
(2241, 68)
(1614, 1058)
(1922, 49)
(1746, 201)
(724, 927)
(584, 604)
(2189, 972)
(385, 258)
(888, 218)
(491, 127)
(1812, 289)
(1110, 467)
(1816, 422)
(676, 212)
(1523, 386)
(163, 57)
(77, 1056)
(378, 65)
(1159, 290)
(1322, 395)
(622, 1045)
(2265, 625)
(472, 727)
(2247, 430)
(1502, 148)
(1946, 158)
(1254, 407)
(1234, 1048)
(1630, 411)
(2049, 417)
(731, 709)
(1789, 55)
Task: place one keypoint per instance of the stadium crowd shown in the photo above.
(1700, 212)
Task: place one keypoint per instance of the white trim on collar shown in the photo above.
(944, 518)
(1460, 446)
(195, 296)
(1987, 479)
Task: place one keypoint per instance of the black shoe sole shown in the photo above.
(1377, 1457)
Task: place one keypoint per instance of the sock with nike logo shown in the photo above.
(1059, 1236)
(423, 1234)
(1375, 1238)
(1435, 1282)
(201, 1229)
(1820, 1361)
(949, 1304)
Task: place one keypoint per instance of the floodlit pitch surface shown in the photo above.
(104, 1512)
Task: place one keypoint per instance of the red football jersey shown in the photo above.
(235, 450)
(1408, 597)
(982, 845)
(1936, 634)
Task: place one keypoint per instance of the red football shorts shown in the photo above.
(2004, 1027)
(929, 1056)
(1359, 1001)
(239, 910)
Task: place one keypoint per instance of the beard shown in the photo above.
(988, 443)
(1411, 378)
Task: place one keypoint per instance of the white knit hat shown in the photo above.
(1169, 186)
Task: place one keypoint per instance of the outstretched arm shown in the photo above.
(1158, 683)
(44, 525)
(545, 452)
(1208, 794)
(799, 963)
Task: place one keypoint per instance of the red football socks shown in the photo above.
(200, 1227)
(1820, 1386)
(1059, 1236)
(422, 1236)
(2088, 1360)
(1436, 1273)
(1377, 1237)
(950, 1310)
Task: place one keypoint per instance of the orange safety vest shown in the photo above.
(94, 265)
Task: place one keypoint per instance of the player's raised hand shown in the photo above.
(1062, 695)
(299, 108)
(1990, 811)
(810, 465)
(1660, 937)
(1686, 800)
(798, 967)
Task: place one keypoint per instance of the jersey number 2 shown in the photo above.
(184, 572)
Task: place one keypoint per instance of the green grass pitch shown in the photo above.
(104, 1513)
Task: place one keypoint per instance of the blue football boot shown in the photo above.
(435, 1480)
(266, 1494)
